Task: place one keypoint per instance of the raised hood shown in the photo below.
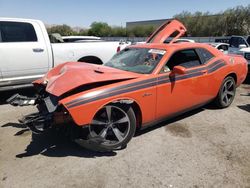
(169, 31)
(69, 76)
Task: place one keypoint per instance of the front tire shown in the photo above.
(113, 126)
(226, 93)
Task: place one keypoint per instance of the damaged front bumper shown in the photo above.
(44, 118)
(19, 100)
(52, 115)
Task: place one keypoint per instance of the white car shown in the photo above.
(241, 46)
(184, 40)
(26, 52)
(220, 46)
(246, 54)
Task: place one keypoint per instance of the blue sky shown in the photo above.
(114, 12)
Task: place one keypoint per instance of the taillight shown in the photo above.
(118, 49)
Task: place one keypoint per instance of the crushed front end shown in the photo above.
(49, 112)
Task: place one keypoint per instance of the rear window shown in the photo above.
(204, 54)
(17, 32)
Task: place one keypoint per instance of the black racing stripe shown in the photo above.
(113, 94)
(116, 88)
(215, 63)
(173, 79)
(216, 67)
(154, 82)
(167, 80)
(204, 68)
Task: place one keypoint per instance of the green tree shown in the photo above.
(141, 31)
(118, 32)
(100, 29)
(234, 21)
(83, 32)
(63, 30)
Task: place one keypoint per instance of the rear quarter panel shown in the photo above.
(238, 65)
(234, 66)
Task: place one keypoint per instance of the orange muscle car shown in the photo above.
(139, 86)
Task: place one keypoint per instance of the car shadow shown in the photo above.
(30, 91)
(170, 121)
(245, 107)
(53, 143)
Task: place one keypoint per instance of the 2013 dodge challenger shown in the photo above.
(141, 85)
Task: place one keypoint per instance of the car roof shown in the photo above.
(178, 46)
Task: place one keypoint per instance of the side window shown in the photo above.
(186, 58)
(17, 32)
(235, 42)
(204, 54)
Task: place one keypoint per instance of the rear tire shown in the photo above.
(226, 93)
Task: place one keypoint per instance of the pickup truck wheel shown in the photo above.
(226, 94)
(112, 127)
(91, 59)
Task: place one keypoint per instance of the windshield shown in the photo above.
(138, 60)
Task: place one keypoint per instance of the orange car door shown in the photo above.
(175, 92)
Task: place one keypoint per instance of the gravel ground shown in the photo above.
(204, 148)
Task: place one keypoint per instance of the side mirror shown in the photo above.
(242, 46)
(179, 70)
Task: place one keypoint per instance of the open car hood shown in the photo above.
(69, 76)
(171, 30)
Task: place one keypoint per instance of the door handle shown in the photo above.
(37, 50)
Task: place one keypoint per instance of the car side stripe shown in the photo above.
(163, 81)
(207, 67)
(216, 67)
(142, 85)
(113, 94)
(117, 88)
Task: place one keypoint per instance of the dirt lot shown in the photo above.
(204, 148)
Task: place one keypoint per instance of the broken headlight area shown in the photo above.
(49, 112)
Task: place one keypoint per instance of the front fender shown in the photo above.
(83, 114)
